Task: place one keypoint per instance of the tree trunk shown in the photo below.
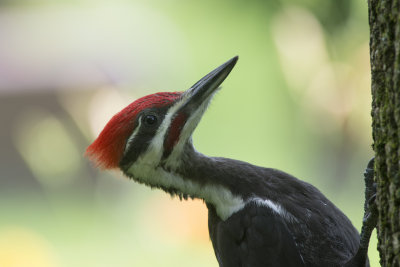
(384, 20)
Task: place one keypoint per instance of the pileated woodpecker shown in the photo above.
(257, 216)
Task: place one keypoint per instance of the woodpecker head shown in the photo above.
(147, 138)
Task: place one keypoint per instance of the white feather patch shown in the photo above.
(224, 201)
(277, 208)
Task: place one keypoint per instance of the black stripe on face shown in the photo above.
(150, 121)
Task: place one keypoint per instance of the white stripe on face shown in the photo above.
(152, 156)
(173, 159)
(146, 168)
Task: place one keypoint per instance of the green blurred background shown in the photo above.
(298, 100)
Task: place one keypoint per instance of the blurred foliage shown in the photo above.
(298, 100)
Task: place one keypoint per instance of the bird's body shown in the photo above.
(266, 226)
(273, 230)
(257, 216)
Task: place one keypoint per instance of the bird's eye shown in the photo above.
(150, 120)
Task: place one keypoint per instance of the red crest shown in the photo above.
(106, 151)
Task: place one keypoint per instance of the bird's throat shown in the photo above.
(180, 183)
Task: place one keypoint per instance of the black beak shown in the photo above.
(207, 85)
(192, 105)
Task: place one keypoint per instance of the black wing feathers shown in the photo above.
(255, 236)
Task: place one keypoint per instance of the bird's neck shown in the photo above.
(199, 176)
(192, 175)
(228, 185)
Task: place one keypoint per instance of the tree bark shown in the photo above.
(384, 20)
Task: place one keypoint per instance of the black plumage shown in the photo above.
(312, 227)
(244, 240)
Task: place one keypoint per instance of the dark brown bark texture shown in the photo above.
(384, 20)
